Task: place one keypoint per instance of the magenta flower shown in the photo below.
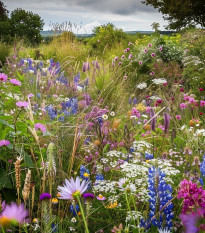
(145, 50)
(15, 82)
(149, 45)
(182, 89)
(41, 127)
(4, 143)
(55, 96)
(120, 63)
(22, 104)
(123, 56)
(152, 73)
(13, 215)
(3, 77)
(101, 197)
(88, 196)
(160, 48)
(201, 89)
(30, 95)
(153, 55)
(183, 106)
(130, 56)
(178, 117)
(73, 189)
(125, 77)
(125, 51)
(45, 196)
(116, 58)
(140, 63)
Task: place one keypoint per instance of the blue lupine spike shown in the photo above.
(135, 101)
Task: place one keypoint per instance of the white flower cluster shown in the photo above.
(199, 133)
(159, 81)
(142, 85)
(135, 215)
(106, 186)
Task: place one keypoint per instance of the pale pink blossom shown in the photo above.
(15, 82)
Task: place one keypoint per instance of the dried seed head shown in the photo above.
(18, 172)
(27, 184)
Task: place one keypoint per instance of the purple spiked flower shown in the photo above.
(88, 196)
(45, 196)
(4, 143)
(84, 66)
(153, 121)
(167, 118)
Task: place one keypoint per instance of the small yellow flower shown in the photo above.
(79, 213)
(112, 205)
(58, 195)
(86, 174)
(147, 161)
(54, 200)
(35, 220)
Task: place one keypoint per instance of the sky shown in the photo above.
(84, 15)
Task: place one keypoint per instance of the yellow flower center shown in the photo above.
(100, 196)
(76, 194)
(5, 221)
(55, 200)
(79, 213)
(58, 195)
(147, 161)
(86, 174)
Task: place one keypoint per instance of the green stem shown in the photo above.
(2, 229)
(82, 212)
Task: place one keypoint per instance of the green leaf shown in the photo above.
(4, 180)
(47, 134)
(6, 123)
(27, 158)
(106, 148)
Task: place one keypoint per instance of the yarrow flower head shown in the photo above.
(15, 82)
(4, 143)
(73, 189)
(13, 215)
(41, 127)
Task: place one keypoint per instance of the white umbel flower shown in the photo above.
(142, 85)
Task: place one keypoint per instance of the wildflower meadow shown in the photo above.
(104, 134)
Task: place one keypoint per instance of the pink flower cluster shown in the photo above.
(135, 113)
(194, 197)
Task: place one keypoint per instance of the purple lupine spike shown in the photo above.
(135, 101)
(97, 65)
(88, 65)
(130, 101)
(167, 118)
(84, 66)
(153, 121)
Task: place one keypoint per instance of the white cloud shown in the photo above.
(90, 26)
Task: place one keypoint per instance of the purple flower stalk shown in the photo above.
(15, 82)
(41, 127)
(153, 119)
(4, 143)
(167, 118)
(45, 196)
(84, 66)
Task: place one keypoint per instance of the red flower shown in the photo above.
(182, 89)
(201, 89)
(172, 98)
(201, 113)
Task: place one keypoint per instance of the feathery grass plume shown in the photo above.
(18, 173)
(27, 184)
(153, 121)
(51, 164)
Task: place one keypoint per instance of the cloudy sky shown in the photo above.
(126, 14)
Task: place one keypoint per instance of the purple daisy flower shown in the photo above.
(4, 143)
(41, 127)
(13, 214)
(45, 196)
(22, 104)
(15, 82)
(72, 189)
(3, 77)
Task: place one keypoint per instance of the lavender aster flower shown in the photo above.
(73, 189)
(13, 215)
(22, 104)
(4, 143)
(45, 196)
(153, 121)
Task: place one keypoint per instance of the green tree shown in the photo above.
(26, 24)
(155, 26)
(180, 13)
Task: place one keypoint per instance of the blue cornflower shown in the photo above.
(72, 209)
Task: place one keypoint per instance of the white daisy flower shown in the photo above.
(73, 220)
(71, 229)
(112, 113)
(104, 117)
(66, 99)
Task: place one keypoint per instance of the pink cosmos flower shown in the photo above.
(41, 127)
(202, 103)
(22, 104)
(145, 50)
(149, 45)
(130, 56)
(152, 73)
(128, 49)
(101, 197)
(73, 188)
(55, 96)
(191, 100)
(183, 106)
(30, 95)
(153, 55)
(4, 143)
(178, 117)
(3, 77)
(15, 82)
(13, 214)
(140, 62)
